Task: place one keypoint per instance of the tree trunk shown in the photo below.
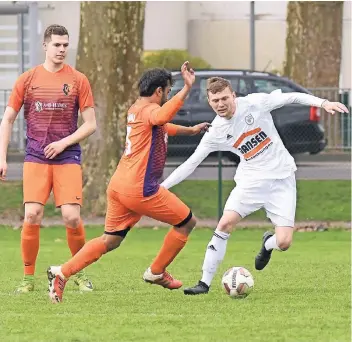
(313, 54)
(109, 54)
(313, 43)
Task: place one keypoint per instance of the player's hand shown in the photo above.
(3, 170)
(333, 107)
(188, 74)
(53, 149)
(200, 128)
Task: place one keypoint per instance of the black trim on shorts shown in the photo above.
(121, 233)
(185, 221)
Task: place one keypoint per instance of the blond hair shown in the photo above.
(217, 84)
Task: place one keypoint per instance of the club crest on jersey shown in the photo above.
(249, 119)
(67, 89)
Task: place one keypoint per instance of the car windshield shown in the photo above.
(198, 93)
(264, 85)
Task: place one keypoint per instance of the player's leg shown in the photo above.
(118, 222)
(280, 208)
(75, 235)
(37, 182)
(215, 252)
(244, 199)
(174, 242)
(164, 206)
(67, 189)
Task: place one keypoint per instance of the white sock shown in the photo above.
(214, 255)
(271, 244)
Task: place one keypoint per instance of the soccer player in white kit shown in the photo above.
(265, 177)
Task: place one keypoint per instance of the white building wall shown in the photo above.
(165, 25)
(216, 31)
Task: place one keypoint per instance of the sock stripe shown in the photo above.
(218, 236)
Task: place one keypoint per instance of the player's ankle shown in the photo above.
(156, 270)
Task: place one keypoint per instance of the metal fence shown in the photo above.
(338, 130)
(17, 143)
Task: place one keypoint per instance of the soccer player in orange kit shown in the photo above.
(134, 190)
(52, 94)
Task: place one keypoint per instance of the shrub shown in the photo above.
(172, 60)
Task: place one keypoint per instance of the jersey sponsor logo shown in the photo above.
(255, 145)
(40, 106)
(67, 89)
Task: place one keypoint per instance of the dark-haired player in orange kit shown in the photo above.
(52, 94)
(134, 190)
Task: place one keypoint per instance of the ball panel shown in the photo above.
(237, 282)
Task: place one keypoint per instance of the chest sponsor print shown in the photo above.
(253, 143)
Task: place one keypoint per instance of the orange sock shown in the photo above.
(75, 238)
(91, 252)
(29, 246)
(173, 243)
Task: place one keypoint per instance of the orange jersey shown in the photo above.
(143, 161)
(51, 102)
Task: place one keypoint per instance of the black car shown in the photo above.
(297, 125)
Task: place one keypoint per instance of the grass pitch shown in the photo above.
(328, 200)
(303, 294)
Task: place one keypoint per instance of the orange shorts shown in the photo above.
(64, 180)
(124, 211)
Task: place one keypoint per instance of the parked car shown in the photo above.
(298, 126)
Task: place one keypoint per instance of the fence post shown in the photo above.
(345, 122)
(219, 185)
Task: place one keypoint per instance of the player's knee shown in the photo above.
(192, 222)
(112, 244)
(33, 216)
(71, 220)
(112, 241)
(284, 243)
(187, 225)
(225, 226)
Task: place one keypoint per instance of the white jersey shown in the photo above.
(251, 134)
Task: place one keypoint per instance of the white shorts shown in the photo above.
(276, 196)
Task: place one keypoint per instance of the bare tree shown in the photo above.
(313, 42)
(109, 54)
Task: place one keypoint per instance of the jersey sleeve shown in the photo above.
(17, 95)
(207, 145)
(171, 129)
(85, 95)
(154, 115)
(277, 99)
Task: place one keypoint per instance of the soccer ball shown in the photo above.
(237, 282)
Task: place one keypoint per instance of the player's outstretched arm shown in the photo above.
(85, 130)
(6, 125)
(277, 99)
(187, 168)
(333, 107)
(189, 77)
(173, 129)
(161, 115)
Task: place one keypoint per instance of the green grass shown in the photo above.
(317, 200)
(303, 295)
